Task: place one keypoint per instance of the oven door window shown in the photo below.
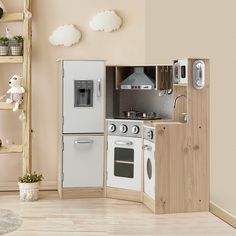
(124, 162)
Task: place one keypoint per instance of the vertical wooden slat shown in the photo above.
(182, 153)
(27, 25)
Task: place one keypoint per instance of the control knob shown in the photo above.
(135, 129)
(123, 128)
(150, 134)
(112, 128)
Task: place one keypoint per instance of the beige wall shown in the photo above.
(124, 46)
(210, 33)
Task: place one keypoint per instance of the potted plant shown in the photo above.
(16, 47)
(4, 42)
(29, 186)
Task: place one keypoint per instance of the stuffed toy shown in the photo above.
(16, 92)
(2, 9)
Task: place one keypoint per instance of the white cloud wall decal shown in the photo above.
(106, 20)
(66, 35)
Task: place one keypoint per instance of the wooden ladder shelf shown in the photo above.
(25, 60)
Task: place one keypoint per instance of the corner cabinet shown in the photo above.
(25, 148)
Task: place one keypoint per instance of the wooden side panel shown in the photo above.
(170, 178)
(199, 131)
(183, 156)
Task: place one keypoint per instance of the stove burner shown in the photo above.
(138, 118)
(137, 115)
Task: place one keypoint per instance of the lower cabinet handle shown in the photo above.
(87, 141)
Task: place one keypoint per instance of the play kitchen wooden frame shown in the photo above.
(181, 145)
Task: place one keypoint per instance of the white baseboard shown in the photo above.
(13, 186)
(223, 214)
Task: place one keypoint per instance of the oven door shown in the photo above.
(124, 162)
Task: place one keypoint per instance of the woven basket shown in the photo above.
(29, 191)
(16, 50)
(4, 50)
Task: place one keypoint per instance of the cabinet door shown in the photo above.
(149, 169)
(83, 161)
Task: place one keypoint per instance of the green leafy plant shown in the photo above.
(18, 39)
(30, 178)
(4, 41)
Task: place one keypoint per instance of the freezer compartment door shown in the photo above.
(83, 96)
(83, 159)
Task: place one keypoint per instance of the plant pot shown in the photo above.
(29, 191)
(16, 50)
(4, 50)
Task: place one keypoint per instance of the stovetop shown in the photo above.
(137, 118)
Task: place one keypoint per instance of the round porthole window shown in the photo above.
(149, 168)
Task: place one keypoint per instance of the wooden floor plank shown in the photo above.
(102, 217)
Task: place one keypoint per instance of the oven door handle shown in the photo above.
(84, 141)
(124, 143)
(147, 148)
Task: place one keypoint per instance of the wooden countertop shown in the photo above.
(153, 123)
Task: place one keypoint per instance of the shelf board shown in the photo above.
(11, 59)
(11, 17)
(11, 149)
(4, 106)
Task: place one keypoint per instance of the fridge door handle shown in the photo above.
(99, 93)
(83, 141)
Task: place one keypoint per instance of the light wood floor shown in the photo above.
(99, 217)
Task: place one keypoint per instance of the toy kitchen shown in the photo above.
(135, 132)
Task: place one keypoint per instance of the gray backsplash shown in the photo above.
(146, 101)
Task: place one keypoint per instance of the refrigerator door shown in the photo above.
(83, 161)
(83, 96)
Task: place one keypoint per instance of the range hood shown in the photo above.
(138, 81)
